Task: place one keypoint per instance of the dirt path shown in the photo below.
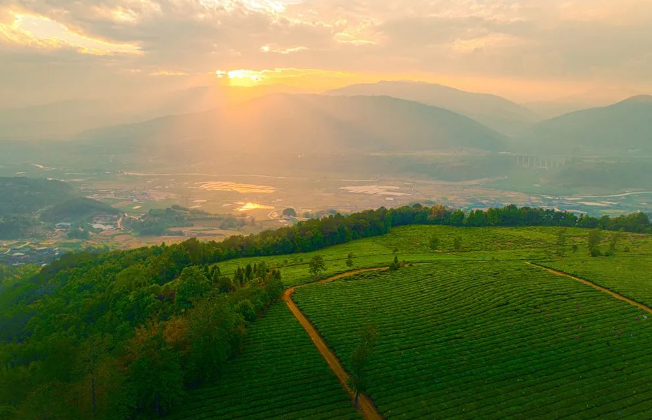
(366, 408)
(595, 286)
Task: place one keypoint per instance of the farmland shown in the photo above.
(466, 327)
(280, 375)
(627, 272)
(566, 350)
(410, 243)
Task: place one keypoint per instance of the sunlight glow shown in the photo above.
(254, 206)
(243, 78)
(45, 33)
(236, 187)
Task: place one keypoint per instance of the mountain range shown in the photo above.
(493, 111)
(297, 124)
(621, 128)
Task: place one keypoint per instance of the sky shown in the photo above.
(525, 50)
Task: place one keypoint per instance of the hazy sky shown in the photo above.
(523, 49)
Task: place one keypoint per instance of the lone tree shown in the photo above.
(359, 358)
(457, 243)
(595, 237)
(289, 212)
(316, 265)
(349, 260)
(434, 243)
(561, 241)
(395, 265)
(613, 241)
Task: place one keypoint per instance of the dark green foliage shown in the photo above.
(129, 344)
(190, 286)
(561, 242)
(76, 209)
(457, 243)
(26, 195)
(215, 332)
(289, 212)
(78, 233)
(246, 309)
(396, 264)
(613, 242)
(15, 226)
(159, 221)
(349, 260)
(316, 265)
(594, 240)
(155, 376)
(434, 243)
(359, 358)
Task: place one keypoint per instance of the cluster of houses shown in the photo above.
(28, 254)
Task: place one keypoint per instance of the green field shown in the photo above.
(472, 333)
(628, 272)
(411, 243)
(279, 375)
(489, 340)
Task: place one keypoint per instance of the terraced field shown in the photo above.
(279, 375)
(629, 275)
(471, 339)
(411, 243)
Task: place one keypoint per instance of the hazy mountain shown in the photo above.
(493, 111)
(306, 124)
(598, 97)
(66, 119)
(621, 128)
(58, 120)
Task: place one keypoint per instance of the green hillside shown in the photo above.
(616, 130)
(462, 340)
(79, 208)
(465, 326)
(28, 195)
(285, 370)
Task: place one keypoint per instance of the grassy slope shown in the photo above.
(627, 273)
(279, 375)
(412, 244)
(535, 298)
(463, 339)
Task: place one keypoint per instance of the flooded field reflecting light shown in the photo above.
(237, 187)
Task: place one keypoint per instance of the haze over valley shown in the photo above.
(325, 209)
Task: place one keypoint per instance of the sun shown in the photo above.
(242, 78)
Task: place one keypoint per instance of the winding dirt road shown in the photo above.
(595, 286)
(366, 406)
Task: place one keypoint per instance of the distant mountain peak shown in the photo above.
(637, 99)
(491, 110)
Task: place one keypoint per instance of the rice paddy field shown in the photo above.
(473, 332)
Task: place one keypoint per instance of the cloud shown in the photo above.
(168, 73)
(44, 33)
(278, 50)
(543, 40)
